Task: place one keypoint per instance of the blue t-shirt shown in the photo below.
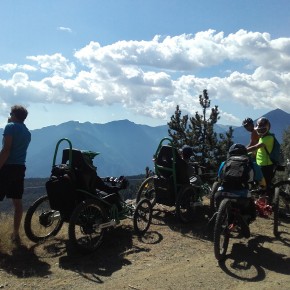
(21, 138)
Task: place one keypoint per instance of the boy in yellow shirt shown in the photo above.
(263, 148)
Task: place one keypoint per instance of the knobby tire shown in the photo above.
(146, 190)
(44, 226)
(221, 228)
(142, 217)
(84, 231)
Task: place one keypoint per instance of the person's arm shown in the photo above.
(220, 170)
(5, 152)
(255, 147)
(254, 138)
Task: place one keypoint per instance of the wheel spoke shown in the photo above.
(85, 232)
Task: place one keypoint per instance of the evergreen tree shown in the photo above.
(198, 132)
(286, 143)
(179, 129)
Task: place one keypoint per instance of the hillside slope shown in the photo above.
(126, 148)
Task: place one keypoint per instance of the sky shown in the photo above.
(103, 60)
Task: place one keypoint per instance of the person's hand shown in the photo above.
(123, 182)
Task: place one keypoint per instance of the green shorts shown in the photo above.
(12, 181)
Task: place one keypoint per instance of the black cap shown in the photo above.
(187, 151)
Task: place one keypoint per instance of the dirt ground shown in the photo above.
(170, 256)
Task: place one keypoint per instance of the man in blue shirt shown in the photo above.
(239, 187)
(16, 138)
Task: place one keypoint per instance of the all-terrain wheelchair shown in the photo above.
(73, 198)
(171, 184)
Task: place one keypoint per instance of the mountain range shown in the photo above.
(125, 148)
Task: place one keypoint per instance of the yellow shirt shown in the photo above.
(262, 157)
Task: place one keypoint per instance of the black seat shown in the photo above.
(85, 172)
(166, 166)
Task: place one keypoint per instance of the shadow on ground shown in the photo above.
(200, 227)
(110, 257)
(248, 260)
(23, 262)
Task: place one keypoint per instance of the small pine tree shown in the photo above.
(178, 129)
(198, 132)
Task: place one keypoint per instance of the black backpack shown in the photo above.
(236, 173)
(61, 190)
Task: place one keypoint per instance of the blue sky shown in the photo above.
(105, 60)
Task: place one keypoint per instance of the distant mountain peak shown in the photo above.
(124, 121)
(278, 110)
(277, 113)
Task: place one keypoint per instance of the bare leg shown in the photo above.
(18, 211)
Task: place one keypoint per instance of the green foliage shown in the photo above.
(198, 131)
(286, 143)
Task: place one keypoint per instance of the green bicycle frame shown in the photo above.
(56, 150)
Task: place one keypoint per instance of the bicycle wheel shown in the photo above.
(186, 204)
(146, 190)
(221, 230)
(276, 212)
(142, 216)
(281, 205)
(41, 222)
(85, 231)
(212, 204)
(284, 201)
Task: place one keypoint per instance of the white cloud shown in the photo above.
(27, 67)
(55, 64)
(152, 77)
(230, 117)
(178, 53)
(12, 67)
(66, 29)
(8, 67)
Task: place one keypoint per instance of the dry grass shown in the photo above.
(6, 229)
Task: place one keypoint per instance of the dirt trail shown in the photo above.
(170, 256)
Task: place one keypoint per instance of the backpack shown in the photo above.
(236, 172)
(61, 190)
(276, 155)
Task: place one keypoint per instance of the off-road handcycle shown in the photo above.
(171, 185)
(72, 197)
